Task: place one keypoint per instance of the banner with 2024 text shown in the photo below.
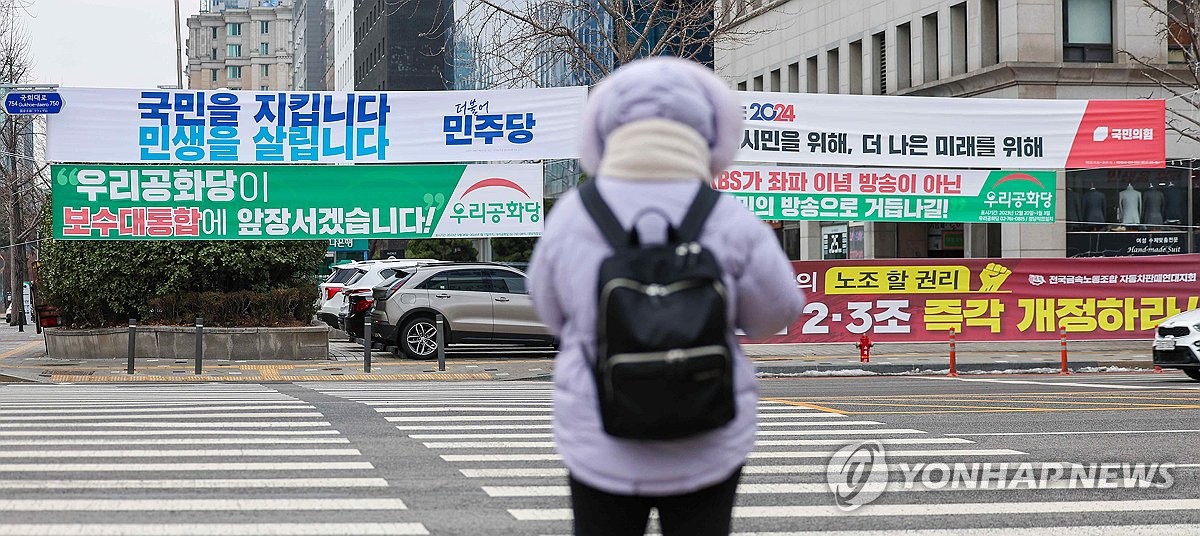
(226, 126)
(1010, 299)
(874, 130)
(263, 202)
(891, 194)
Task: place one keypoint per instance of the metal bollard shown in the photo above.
(953, 367)
(439, 340)
(199, 345)
(1062, 335)
(367, 344)
(132, 339)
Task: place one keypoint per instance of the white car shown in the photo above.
(1177, 343)
(362, 276)
(332, 287)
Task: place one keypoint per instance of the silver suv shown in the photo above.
(482, 303)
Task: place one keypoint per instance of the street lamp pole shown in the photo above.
(178, 50)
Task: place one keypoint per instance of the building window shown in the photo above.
(264, 26)
(264, 88)
(775, 80)
(214, 54)
(233, 51)
(235, 72)
(904, 56)
(794, 77)
(758, 83)
(264, 48)
(989, 22)
(265, 70)
(214, 32)
(929, 47)
(832, 76)
(879, 63)
(810, 71)
(1179, 38)
(1116, 212)
(233, 29)
(741, 86)
(856, 68)
(958, 39)
(214, 75)
(1087, 30)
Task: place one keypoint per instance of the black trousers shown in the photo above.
(704, 512)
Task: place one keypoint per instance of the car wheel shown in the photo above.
(1193, 373)
(418, 339)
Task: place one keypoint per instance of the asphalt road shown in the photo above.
(476, 458)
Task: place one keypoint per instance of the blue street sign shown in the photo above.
(33, 102)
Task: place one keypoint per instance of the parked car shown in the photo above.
(327, 306)
(350, 315)
(1177, 341)
(482, 303)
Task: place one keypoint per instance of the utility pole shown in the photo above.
(178, 50)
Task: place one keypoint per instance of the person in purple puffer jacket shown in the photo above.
(652, 131)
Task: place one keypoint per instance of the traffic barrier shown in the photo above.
(1062, 336)
(199, 345)
(132, 338)
(953, 365)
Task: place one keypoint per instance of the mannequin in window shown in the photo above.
(1152, 206)
(1129, 206)
(1174, 203)
(1074, 208)
(1094, 205)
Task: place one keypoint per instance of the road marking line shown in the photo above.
(226, 466)
(894, 453)
(256, 424)
(217, 529)
(500, 457)
(804, 405)
(940, 509)
(176, 415)
(745, 488)
(511, 473)
(1054, 383)
(194, 505)
(21, 348)
(180, 441)
(1079, 530)
(473, 427)
(1084, 432)
(59, 410)
(465, 408)
(141, 433)
(467, 418)
(169, 453)
(214, 483)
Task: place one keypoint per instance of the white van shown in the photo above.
(357, 276)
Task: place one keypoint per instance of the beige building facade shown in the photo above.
(247, 48)
(1024, 49)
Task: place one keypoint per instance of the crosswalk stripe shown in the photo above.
(931, 509)
(178, 441)
(216, 529)
(184, 466)
(473, 427)
(893, 453)
(446, 409)
(500, 457)
(141, 433)
(177, 415)
(491, 445)
(169, 424)
(746, 488)
(768, 433)
(212, 453)
(513, 473)
(143, 408)
(212, 483)
(1078, 530)
(467, 418)
(193, 505)
(792, 415)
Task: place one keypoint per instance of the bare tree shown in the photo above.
(1179, 76)
(21, 139)
(523, 43)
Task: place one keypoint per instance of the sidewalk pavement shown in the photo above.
(23, 359)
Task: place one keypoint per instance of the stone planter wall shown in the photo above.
(179, 342)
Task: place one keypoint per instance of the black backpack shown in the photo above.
(664, 369)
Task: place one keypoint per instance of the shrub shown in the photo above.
(277, 307)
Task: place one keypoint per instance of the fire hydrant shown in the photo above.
(864, 349)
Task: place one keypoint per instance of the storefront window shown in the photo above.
(1123, 212)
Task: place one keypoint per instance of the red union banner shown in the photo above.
(921, 300)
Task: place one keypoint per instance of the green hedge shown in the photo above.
(278, 307)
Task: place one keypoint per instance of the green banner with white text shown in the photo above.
(289, 202)
(892, 194)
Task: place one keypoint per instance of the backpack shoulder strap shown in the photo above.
(697, 214)
(616, 235)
